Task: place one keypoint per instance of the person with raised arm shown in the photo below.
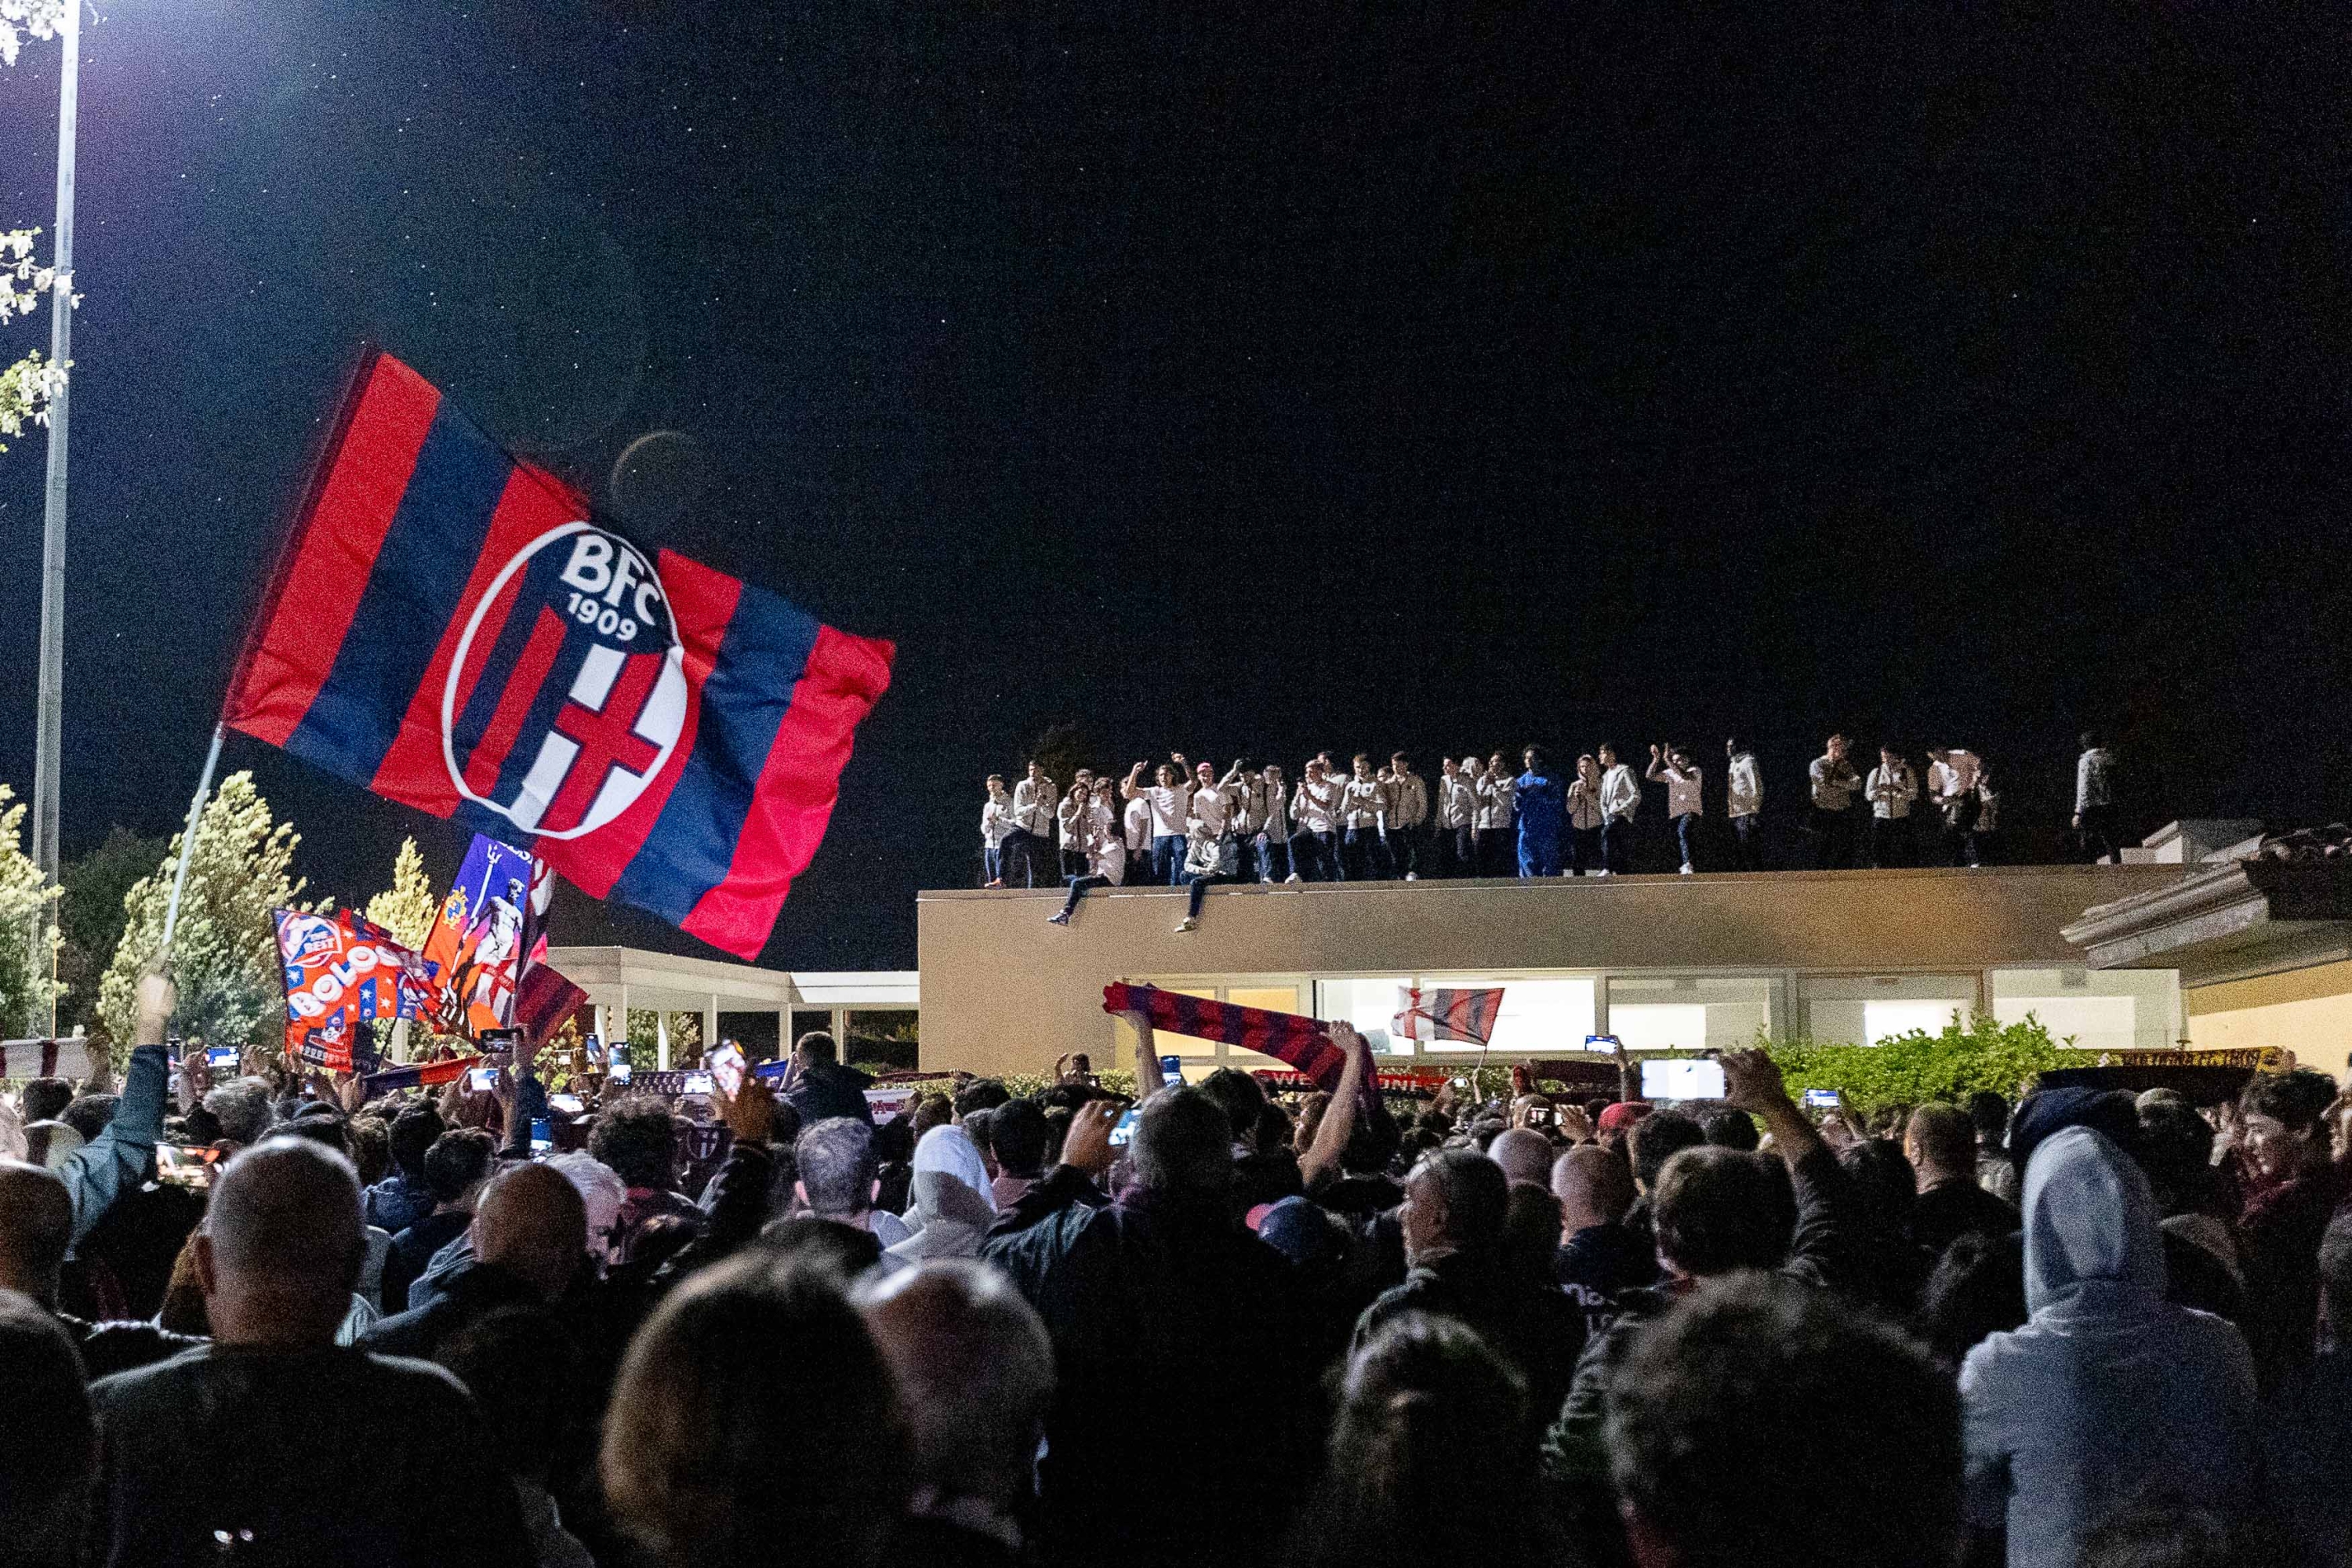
(1169, 802)
(1671, 766)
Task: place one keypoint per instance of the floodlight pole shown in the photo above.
(49, 723)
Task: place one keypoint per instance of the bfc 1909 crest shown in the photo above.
(567, 693)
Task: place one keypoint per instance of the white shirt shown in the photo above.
(996, 823)
(1138, 825)
(1744, 789)
(1408, 800)
(1316, 805)
(1834, 784)
(1066, 814)
(1034, 803)
(1498, 797)
(2093, 779)
(1956, 775)
(1682, 790)
(1212, 809)
(1621, 794)
(1106, 852)
(1892, 793)
(1170, 806)
(1362, 802)
(1458, 801)
(1247, 795)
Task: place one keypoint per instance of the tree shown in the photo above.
(26, 987)
(406, 909)
(29, 386)
(90, 917)
(225, 952)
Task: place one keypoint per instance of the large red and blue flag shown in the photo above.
(449, 628)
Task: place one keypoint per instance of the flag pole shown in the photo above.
(188, 845)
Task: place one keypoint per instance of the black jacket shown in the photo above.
(474, 1291)
(828, 1088)
(1532, 1322)
(1181, 1341)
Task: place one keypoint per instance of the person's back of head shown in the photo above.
(371, 1149)
(1719, 1210)
(930, 1111)
(326, 1131)
(1989, 1113)
(459, 1163)
(2175, 1150)
(1240, 1096)
(280, 1248)
(414, 1132)
(1976, 1289)
(1018, 1134)
(1941, 1140)
(241, 1106)
(1728, 1412)
(522, 1368)
(1531, 1231)
(1456, 1199)
(49, 1466)
(975, 1374)
(1733, 1129)
(87, 1114)
(1524, 1153)
(1428, 1413)
(638, 1139)
(815, 1048)
(981, 1094)
(36, 1228)
(2335, 1277)
(532, 1223)
(1183, 1146)
(1882, 1186)
(45, 1099)
(754, 1415)
(894, 1139)
(1593, 1184)
(842, 1250)
(1658, 1138)
(837, 1167)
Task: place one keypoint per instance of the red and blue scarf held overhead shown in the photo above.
(1286, 1036)
(448, 628)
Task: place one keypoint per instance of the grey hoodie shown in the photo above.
(2108, 1395)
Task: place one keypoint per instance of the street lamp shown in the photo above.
(49, 722)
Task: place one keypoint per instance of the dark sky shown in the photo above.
(1260, 376)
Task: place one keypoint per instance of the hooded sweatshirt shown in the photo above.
(2108, 1392)
(955, 1202)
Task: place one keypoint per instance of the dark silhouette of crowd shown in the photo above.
(1210, 1325)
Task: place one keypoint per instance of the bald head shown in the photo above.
(1593, 1187)
(1524, 1154)
(35, 1226)
(280, 1248)
(975, 1369)
(532, 1223)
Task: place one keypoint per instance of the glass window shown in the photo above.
(1368, 1004)
(2102, 1010)
(1657, 1012)
(1274, 998)
(1862, 1009)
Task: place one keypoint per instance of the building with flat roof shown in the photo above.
(1661, 961)
(623, 980)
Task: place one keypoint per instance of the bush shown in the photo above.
(1917, 1068)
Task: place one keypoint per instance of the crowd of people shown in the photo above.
(1207, 1324)
(1182, 823)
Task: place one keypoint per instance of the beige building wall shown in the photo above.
(1005, 992)
(2306, 1010)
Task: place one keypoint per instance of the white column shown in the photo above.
(661, 1038)
(710, 1024)
(783, 1033)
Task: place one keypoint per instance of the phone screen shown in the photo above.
(1123, 1132)
(727, 1067)
(618, 1063)
(1172, 1069)
(1682, 1079)
(697, 1083)
(1821, 1098)
(482, 1080)
(542, 1135)
(221, 1055)
(1601, 1042)
(570, 1104)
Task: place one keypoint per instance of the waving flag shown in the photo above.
(477, 940)
(341, 972)
(1437, 1013)
(448, 627)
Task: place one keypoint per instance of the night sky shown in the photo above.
(1261, 378)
